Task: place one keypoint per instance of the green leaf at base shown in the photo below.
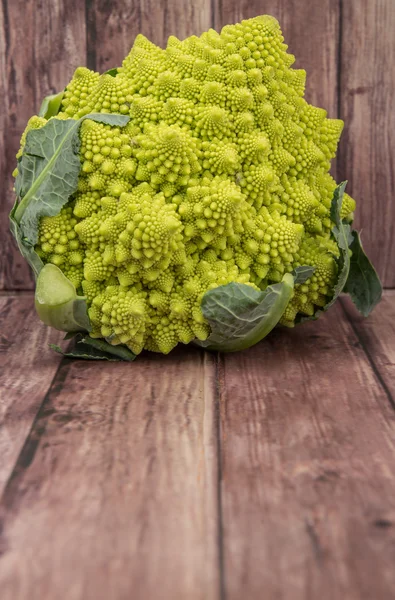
(84, 351)
(70, 335)
(363, 283)
(96, 349)
(240, 316)
(50, 106)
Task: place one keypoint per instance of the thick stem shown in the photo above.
(57, 302)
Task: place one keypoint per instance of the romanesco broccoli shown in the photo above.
(220, 175)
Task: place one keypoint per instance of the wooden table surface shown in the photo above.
(267, 474)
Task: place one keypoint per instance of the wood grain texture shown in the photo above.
(367, 150)
(377, 336)
(308, 468)
(112, 26)
(311, 30)
(27, 368)
(114, 494)
(42, 42)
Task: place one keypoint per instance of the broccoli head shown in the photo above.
(220, 175)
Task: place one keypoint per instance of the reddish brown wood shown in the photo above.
(308, 468)
(311, 30)
(112, 26)
(377, 336)
(366, 156)
(41, 43)
(114, 494)
(27, 367)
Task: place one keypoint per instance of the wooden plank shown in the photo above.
(115, 492)
(377, 336)
(311, 31)
(112, 26)
(42, 43)
(308, 468)
(27, 367)
(366, 155)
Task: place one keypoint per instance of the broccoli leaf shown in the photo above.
(26, 250)
(50, 106)
(356, 274)
(95, 349)
(120, 351)
(113, 72)
(240, 316)
(70, 335)
(84, 351)
(363, 283)
(48, 170)
(342, 234)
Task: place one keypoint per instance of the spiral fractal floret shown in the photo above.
(220, 175)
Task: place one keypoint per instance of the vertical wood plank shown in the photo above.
(366, 155)
(377, 335)
(115, 492)
(311, 30)
(308, 468)
(112, 26)
(42, 42)
(27, 367)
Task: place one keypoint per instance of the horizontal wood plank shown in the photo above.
(27, 367)
(115, 492)
(308, 468)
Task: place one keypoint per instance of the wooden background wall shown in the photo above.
(346, 46)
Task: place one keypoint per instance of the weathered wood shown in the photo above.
(366, 155)
(27, 367)
(311, 31)
(308, 468)
(114, 494)
(41, 43)
(112, 26)
(377, 336)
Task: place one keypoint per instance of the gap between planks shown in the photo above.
(26, 371)
(308, 463)
(126, 449)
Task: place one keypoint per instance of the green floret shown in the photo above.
(315, 291)
(221, 175)
(59, 245)
(78, 93)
